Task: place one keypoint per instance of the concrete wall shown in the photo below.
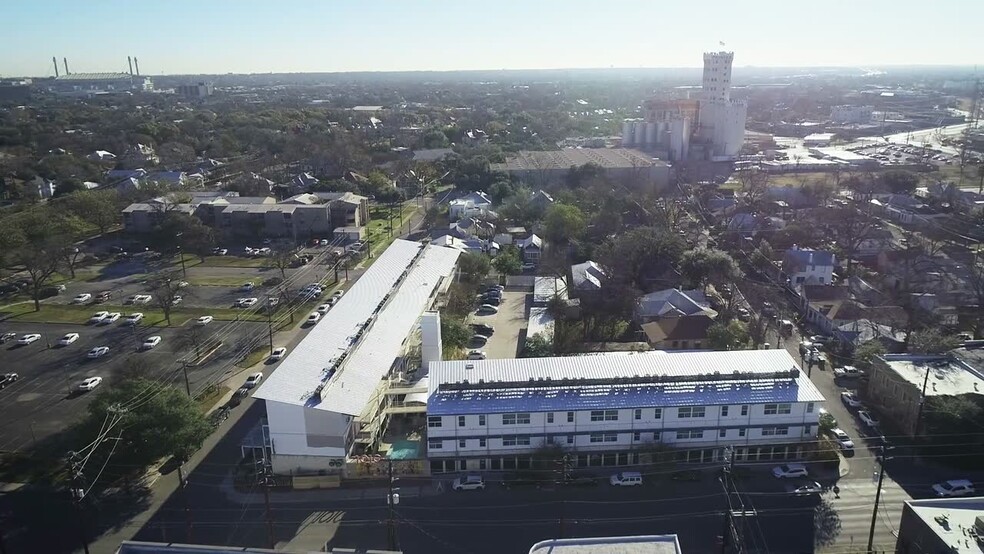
(306, 439)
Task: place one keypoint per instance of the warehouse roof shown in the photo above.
(608, 158)
(340, 362)
(621, 380)
(93, 77)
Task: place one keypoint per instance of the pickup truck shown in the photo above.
(847, 372)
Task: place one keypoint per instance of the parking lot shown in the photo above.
(508, 324)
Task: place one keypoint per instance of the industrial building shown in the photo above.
(619, 409)
(87, 84)
(541, 168)
(333, 394)
(196, 91)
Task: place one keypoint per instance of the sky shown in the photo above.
(253, 36)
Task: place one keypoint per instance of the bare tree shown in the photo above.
(40, 263)
(71, 256)
(282, 256)
(851, 228)
(164, 289)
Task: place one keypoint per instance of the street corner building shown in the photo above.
(619, 409)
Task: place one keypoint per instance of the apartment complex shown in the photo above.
(616, 409)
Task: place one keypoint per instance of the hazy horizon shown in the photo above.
(253, 37)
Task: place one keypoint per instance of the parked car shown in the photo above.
(850, 399)
(247, 287)
(204, 320)
(491, 300)
(246, 302)
(843, 440)
(337, 294)
(846, 372)
(8, 378)
(104, 296)
(468, 483)
(7, 337)
(483, 329)
(479, 339)
(253, 380)
(89, 383)
(868, 418)
(68, 339)
(528, 267)
(177, 299)
(97, 352)
(98, 317)
(805, 347)
(323, 309)
(313, 317)
(278, 354)
(133, 318)
(29, 339)
(954, 487)
(141, 299)
(626, 479)
(788, 471)
(807, 489)
(476, 354)
(220, 251)
(82, 298)
(111, 317)
(487, 309)
(151, 342)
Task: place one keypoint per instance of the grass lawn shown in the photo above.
(378, 232)
(55, 313)
(231, 261)
(216, 281)
(259, 354)
(207, 398)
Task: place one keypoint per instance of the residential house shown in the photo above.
(793, 197)
(139, 155)
(719, 206)
(806, 266)
(45, 187)
(474, 137)
(861, 331)
(541, 200)
(102, 156)
(672, 303)
(586, 279)
(471, 227)
(530, 249)
(347, 208)
(303, 182)
(475, 203)
(547, 288)
(433, 154)
(820, 304)
(175, 179)
(743, 222)
(117, 176)
(678, 333)
(470, 244)
(875, 241)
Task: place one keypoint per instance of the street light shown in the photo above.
(184, 270)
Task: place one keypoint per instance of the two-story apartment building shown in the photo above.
(614, 409)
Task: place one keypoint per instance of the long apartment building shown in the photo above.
(328, 397)
(616, 409)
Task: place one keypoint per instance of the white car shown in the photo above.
(246, 302)
(68, 339)
(97, 352)
(182, 284)
(253, 380)
(220, 251)
(842, 439)
(788, 471)
(82, 298)
(176, 300)
(111, 317)
(850, 399)
(29, 338)
(151, 342)
(204, 320)
(313, 317)
(278, 354)
(134, 318)
(338, 294)
(247, 287)
(7, 336)
(331, 301)
(488, 309)
(323, 309)
(90, 383)
(98, 317)
(868, 418)
(468, 483)
(954, 487)
(141, 299)
(809, 488)
(476, 355)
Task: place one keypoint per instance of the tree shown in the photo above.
(639, 257)
(931, 341)
(474, 266)
(865, 353)
(41, 262)
(70, 257)
(704, 266)
(537, 346)
(948, 417)
(563, 223)
(97, 207)
(454, 334)
(728, 336)
(185, 232)
(508, 262)
(851, 227)
(165, 422)
(165, 288)
(899, 181)
(68, 186)
(282, 256)
(764, 256)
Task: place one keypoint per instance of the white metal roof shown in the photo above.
(947, 376)
(705, 387)
(306, 369)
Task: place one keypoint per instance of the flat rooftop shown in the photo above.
(608, 158)
(948, 376)
(340, 362)
(642, 544)
(617, 380)
(960, 513)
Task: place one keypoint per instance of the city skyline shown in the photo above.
(184, 37)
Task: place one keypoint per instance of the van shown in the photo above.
(626, 479)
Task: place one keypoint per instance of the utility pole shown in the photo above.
(184, 369)
(392, 499)
(182, 484)
(882, 458)
(269, 312)
(78, 493)
(922, 402)
(266, 479)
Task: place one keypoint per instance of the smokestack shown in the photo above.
(129, 62)
(54, 60)
(66, 65)
(136, 65)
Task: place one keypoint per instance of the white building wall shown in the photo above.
(430, 338)
(297, 431)
(716, 82)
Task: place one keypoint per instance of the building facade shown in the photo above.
(722, 119)
(617, 409)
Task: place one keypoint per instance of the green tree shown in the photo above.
(703, 266)
(508, 262)
(40, 262)
(68, 186)
(180, 230)
(563, 223)
(537, 346)
(866, 352)
(97, 207)
(946, 417)
(826, 422)
(166, 422)
(639, 257)
(728, 336)
(474, 266)
(931, 341)
(454, 334)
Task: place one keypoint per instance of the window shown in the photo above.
(656, 436)
(462, 443)
(604, 415)
(434, 421)
(435, 444)
(481, 420)
(690, 434)
(461, 421)
(549, 417)
(570, 439)
(516, 440)
(741, 432)
(691, 411)
(723, 433)
(604, 437)
(638, 414)
(570, 417)
(780, 409)
(772, 431)
(658, 413)
(637, 436)
(515, 419)
(481, 443)
(744, 410)
(809, 407)
(724, 411)
(676, 344)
